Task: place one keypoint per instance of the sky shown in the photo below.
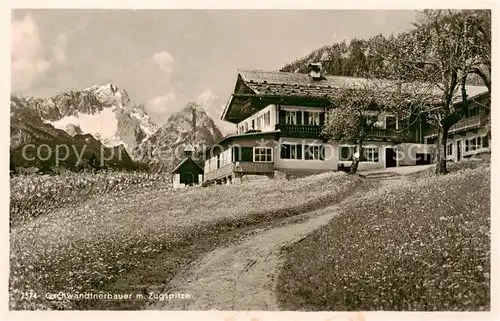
(167, 58)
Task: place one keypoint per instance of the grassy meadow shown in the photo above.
(34, 195)
(133, 239)
(420, 245)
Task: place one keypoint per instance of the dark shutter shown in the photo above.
(362, 156)
(282, 117)
(285, 150)
(321, 119)
(485, 142)
(306, 118)
(322, 152)
(247, 154)
(343, 153)
(299, 117)
(299, 151)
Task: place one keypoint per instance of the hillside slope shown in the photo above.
(423, 246)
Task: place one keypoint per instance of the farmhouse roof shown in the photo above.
(260, 83)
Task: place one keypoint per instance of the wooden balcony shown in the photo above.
(386, 134)
(462, 125)
(300, 131)
(240, 168)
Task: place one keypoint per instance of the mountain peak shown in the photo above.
(104, 111)
(190, 125)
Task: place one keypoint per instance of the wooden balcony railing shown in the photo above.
(381, 133)
(462, 125)
(300, 131)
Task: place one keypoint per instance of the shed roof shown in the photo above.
(186, 159)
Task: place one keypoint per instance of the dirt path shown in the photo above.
(242, 276)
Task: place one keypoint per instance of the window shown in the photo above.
(346, 153)
(369, 154)
(291, 151)
(258, 122)
(313, 118)
(253, 123)
(291, 118)
(390, 122)
(314, 152)
(476, 143)
(267, 118)
(262, 154)
(474, 111)
(449, 149)
(225, 157)
(246, 127)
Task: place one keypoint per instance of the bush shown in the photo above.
(422, 245)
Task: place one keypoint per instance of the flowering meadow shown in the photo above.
(34, 195)
(96, 245)
(422, 244)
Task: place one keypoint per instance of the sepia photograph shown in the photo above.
(250, 160)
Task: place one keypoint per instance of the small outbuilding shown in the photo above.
(187, 172)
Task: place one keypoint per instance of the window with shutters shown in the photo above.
(369, 154)
(290, 117)
(313, 118)
(291, 151)
(476, 143)
(346, 153)
(390, 122)
(263, 154)
(314, 152)
(474, 111)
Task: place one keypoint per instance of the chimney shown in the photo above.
(315, 71)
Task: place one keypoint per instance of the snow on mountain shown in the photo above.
(104, 111)
(104, 123)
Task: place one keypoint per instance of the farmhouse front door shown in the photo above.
(390, 157)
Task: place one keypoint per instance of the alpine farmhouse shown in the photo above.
(279, 117)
